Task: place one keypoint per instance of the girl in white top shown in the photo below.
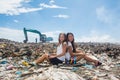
(77, 54)
(57, 58)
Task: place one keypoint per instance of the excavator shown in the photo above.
(43, 37)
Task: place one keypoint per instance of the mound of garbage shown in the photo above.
(14, 58)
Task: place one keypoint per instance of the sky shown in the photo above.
(88, 20)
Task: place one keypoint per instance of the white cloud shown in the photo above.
(15, 7)
(27, 1)
(96, 37)
(18, 35)
(52, 2)
(16, 21)
(43, 5)
(102, 38)
(12, 34)
(53, 34)
(103, 14)
(61, 16)
(51, 5)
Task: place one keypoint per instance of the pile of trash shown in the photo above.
(14, 58)
(56, 74)
(112, 50)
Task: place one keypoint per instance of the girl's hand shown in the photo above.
(52, 56)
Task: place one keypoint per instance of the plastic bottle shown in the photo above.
(74, 60)
(71, 61)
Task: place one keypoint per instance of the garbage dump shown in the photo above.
(14, 58)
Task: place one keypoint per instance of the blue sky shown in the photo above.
(89, 20)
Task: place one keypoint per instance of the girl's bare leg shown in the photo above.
(42, 58)
(86, 57)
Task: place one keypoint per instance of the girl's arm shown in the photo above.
(70, 51)
(77, 53)
(64, 46)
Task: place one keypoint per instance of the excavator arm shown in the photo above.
(26, 37)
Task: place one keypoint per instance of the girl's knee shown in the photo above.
(83, 54)
(46, 56)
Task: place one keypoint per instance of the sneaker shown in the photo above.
(98, 64)
(32, 64)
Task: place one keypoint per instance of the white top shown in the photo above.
(59, 51)
(67, 55)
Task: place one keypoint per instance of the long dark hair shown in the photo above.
(73, 44)
(64, 37)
